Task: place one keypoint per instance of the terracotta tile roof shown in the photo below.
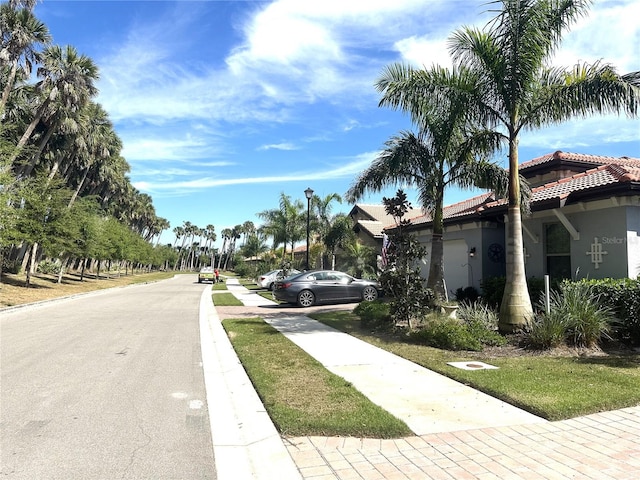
(581, 158)
(460, 209)
(596, 177)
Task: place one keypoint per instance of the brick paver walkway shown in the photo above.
(603, 446)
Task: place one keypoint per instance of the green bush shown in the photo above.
(576, 315)
(447, 334)
(493, 289)
(49, 267)
(548, 330)
(467, 295)
(623, 297)
(479, 312)
(11, 266)
(374, 313)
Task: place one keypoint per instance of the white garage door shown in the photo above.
(456, 265)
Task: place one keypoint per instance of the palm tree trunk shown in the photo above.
(515, 310)
(7, 88)
(27, 135)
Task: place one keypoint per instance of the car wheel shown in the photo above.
(306, 298)
(270, 287)
(369, 294)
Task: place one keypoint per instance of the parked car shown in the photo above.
(267, 280)
(206, 273)
(324, 286)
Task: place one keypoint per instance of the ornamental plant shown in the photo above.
(400, 278)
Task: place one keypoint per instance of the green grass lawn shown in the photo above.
(225, 299)
(554, 387)
(300, 395)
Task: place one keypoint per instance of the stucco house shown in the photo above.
(584, 223)
(369, 222)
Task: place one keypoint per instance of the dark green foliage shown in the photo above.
(467, 295)
(623, 297)
(577, 316)
(448, 334)
(493, 289)
(373, 314)
(47, 266)
(401, 279)
(475, 328)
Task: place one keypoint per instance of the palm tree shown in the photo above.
(517, 90)
(67, 79)
(226, 235)
(443, 154)
(22, 35)
(286, 224)
(323, 219)
(339, 235)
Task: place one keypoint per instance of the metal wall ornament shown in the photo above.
(597, 253)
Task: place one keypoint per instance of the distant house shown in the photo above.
(369, 222)
(585, 223)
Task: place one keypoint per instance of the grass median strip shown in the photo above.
(225, 299)
(301, 396)
(553, 387)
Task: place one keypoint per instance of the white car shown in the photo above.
(267, 280)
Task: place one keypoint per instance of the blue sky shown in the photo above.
(224, 105)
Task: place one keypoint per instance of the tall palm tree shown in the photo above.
(323, 219)
(517, 91)
(67, 78)
(226, 236)
(448, 151)
(22, 36)
(286, 224)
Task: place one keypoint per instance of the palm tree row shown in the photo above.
(54, 129)
(500, 85)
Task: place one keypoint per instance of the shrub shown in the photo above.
(11, 266)
(587, 320)
(373, 313)
(49, 267)
(548, 330)
(493, 289)
(575, 316)
(467, 295)
(446, 333)
(479, 312)
(623, 297)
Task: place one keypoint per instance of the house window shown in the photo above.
(558, 251)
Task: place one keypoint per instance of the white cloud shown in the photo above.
(611, 32)
(279, 146)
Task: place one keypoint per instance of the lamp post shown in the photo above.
(308, 193)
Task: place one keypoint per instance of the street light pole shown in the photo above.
(308, 193)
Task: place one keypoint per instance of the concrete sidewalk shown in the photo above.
(460, 433)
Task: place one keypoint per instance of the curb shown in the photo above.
(246, 444)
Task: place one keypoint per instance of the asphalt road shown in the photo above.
(106, 386)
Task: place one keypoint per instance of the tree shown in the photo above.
(360, 260)
(22, 35)
(285, 224)
(323, 219)
(43, 218)
(449, 150)
(67, 79)
(339, 235)
(517, 90)
(401, 280)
